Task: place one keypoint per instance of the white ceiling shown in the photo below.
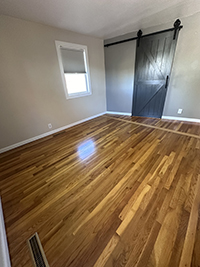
(100, 18)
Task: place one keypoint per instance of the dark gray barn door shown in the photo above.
(154, 58)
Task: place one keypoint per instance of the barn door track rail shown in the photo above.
(177, 27)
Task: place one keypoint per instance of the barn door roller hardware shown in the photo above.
(177, 26)
(139, 35)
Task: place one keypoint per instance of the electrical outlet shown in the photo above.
(50, 125)
(180, 110)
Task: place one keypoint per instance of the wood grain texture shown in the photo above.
(187, 252)
(113, 191)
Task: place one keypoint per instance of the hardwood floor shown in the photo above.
(113, 191)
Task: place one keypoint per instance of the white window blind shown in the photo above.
(73, 61)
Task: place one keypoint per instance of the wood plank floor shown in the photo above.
(113, 191)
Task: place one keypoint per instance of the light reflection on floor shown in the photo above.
(86, 149)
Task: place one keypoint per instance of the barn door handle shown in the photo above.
(166, 82)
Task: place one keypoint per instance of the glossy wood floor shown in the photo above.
(113, 191)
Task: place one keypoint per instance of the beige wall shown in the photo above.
(31, 90)
(184, 87)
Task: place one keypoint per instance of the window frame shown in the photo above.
(78, 47)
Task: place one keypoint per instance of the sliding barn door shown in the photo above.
(154, 58)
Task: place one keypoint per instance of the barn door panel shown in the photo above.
(154, 58)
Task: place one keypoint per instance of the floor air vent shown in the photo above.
(37, 252)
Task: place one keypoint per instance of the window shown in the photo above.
(74, 69)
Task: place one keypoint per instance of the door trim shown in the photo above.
(4, 252)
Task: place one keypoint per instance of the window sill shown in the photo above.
(78, 95)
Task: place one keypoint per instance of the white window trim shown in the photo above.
(86, 62)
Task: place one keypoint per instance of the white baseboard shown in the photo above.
(180, 119)
(119, 113)
(48, 133)
(4, 253)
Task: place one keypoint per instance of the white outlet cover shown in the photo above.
(180, 110)
(50, 125)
